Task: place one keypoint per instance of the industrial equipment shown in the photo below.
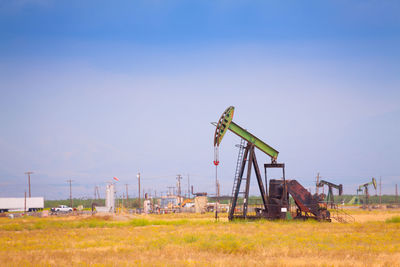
(330, 197)
(199, 193)
(366, 193)
(110, 200)
(186, 201)
(275, 204)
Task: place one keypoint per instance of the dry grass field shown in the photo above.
(196, 240)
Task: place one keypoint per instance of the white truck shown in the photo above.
(62, 208)
(8, 204)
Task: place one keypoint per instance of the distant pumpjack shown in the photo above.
(330, 199)
(366, 193)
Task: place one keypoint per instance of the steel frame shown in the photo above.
(249, 157)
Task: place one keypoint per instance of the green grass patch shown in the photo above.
(190, 238)
(146, 222)
(225, 243)
(395, 219)
(91, 222)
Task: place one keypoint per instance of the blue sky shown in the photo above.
(97, 89)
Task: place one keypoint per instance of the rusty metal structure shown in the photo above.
(275, 203)
(199, 194)
(307, 206)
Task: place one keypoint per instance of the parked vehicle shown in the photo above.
(62, 208)
(19, 204)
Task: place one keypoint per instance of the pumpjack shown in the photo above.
(275, 203)
(366, 193)
(330, 199)
(356, 199)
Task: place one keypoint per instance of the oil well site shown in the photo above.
(284, 222)
(199, 133)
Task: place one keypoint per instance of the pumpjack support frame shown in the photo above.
(251, 160)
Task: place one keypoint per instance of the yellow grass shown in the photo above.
(196, 240)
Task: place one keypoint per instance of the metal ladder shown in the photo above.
(238, 167)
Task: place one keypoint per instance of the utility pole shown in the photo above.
(380, 190)
(98, 193)
(179, 177)
(138, 176)
(397, 196)
(127, 198)
(169, 190)
(188, 187)
(316, 185)
(29, 181)
(70, 192)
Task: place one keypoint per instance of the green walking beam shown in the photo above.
(225, 123)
